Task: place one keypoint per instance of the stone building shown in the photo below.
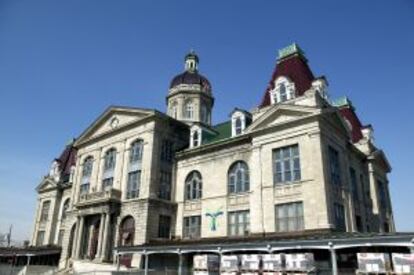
(296, 164)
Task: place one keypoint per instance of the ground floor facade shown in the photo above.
(332, 253)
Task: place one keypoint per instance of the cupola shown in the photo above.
(190, 97)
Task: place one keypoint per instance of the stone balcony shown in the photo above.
(98, 198)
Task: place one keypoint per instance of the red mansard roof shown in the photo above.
(295, 68)
(67, 159)
(347, 111)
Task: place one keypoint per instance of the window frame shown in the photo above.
(44, 212)
(164, 226)
(280, 160)
(192, 227)
(239, 220)
(238, 178)
(189, 110)
(193, 186)
(334, 160)
(339, 216)
(293, 218)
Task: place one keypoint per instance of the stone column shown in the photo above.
(334, 263)
(100, 238)
(104, 253)
(146, 264)
(79, 237)
(180, 264)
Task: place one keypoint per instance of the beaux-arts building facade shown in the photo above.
(299, 162)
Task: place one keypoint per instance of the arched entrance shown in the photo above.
(126, 238)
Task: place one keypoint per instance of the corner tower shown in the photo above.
(190, 97)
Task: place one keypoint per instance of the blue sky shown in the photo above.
(63, 62)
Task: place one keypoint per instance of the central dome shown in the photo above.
(190, 78)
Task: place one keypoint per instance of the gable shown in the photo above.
(281, 114)
(113, 119)
(46, 184)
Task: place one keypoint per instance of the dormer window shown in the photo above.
(238, 126)
(195, 137)
(240, 120)
(284, 90)
(321, 86)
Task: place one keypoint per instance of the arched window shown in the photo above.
(109, 167)
(189, 110)
(238, 178)
(65, 208)
(110, 159)
(87, 167)
(283, 96)
(127, 231)
(86, 174)
(193, 186)
(135, 153)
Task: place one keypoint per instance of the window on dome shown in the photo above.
(204, 114)
(189, 110)
(174, 110)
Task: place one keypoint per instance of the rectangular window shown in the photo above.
(359, 223)
(192, 227)
(164, 226)
(334, 166)
(107, 184)
(40, 238)
(286, 164)
(44, 215)
(84, 188)
(239, 223)
(382, 194)
(133, 184)
(354, 183)
(289, 217)
(167, 152)
(164, 191)
(339, 217)
(60, 237)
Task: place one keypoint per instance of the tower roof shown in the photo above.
(191, 76)
(292, 64)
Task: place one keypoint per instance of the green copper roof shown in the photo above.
(289, 50)
(223, 132)
(342, 101)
